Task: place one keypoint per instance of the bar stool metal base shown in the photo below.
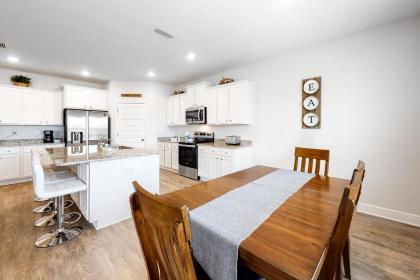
(37, 199)
(47, 207)
(51, 219)
(56, 237)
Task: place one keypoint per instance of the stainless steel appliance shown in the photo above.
(196, 115)
(233, 140)
(48, 136)
(85, 127)
(188, 154)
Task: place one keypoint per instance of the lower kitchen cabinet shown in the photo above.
(9, 163)
(168, 156)
(16, 162)
(217, 162)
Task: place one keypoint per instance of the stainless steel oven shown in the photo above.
(188, 160)
(196, 115)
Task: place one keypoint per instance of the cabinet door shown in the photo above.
(227, 166)
(212, 106)
(53, 108)
(169, 111)
(190, 95)
(223, 105)
(27, 165)
(161, 156)
(174, 155)
(235, 94)
(201, 96)
(182, 107)
(97, 100)
(32, 108)
(10, 106)
(168, 158)
(214, 166)
(203, 165)
(9, 166)
(75, 97)
(176, 110)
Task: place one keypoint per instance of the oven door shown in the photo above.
(188, 155)
(195, 115)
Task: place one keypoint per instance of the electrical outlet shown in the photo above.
(14, 132)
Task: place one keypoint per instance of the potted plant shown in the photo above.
(20, 80)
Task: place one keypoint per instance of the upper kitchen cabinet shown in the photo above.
(197, 94)
(27, 106)
(173, 111)
(230, 104)
(10, 102)
(76, 97)
(32, 105)
(53, 108)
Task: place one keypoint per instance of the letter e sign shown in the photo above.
(311, 103)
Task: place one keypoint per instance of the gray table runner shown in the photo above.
(219, 226)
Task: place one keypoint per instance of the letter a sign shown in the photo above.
(311, 103)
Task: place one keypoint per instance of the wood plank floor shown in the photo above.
(381, 249)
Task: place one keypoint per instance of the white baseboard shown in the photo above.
(389, 214)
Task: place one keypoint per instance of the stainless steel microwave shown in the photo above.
(196, 115)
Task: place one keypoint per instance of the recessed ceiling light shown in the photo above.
(13, 59)
(190, 56)
(85, 73)
(151, 74)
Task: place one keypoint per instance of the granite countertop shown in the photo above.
(80, 154)
(24, 142)
(221, 144)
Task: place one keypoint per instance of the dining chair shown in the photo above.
(355, 191)
(164, 234)
(311, 155)
(331, 268)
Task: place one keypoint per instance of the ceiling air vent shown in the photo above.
(164, 33)
(2, 45)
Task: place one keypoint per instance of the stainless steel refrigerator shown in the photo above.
(85, 127)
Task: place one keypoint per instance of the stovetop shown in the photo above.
(199, 137)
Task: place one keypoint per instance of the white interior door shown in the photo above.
(130, 125)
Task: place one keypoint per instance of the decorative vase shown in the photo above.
(21, 84)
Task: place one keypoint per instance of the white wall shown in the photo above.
(370, 111)
(44, 81)
(154, 96)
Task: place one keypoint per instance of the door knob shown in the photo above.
(142, 140)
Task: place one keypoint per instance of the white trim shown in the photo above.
(15, 181)
(390, 214)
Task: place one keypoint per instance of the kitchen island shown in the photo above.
(108, 173)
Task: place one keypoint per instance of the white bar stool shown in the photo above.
(58, 190)
(52, 176)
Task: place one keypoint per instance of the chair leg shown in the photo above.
(60, 235)
(346, 259)
(338, 273)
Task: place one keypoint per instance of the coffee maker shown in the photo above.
(48, 136)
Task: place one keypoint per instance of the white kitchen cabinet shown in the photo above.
(174, 159)
(97, 99)
(214, 162)
(169, 111)
(10, 104)
(76, 97)
(32, 108)
(9, 163)
(26, 165)
(168, 155)
(222, 105)
(212, 106)
(53, 108)
(175, 110)
(235, 104)
(161, 154)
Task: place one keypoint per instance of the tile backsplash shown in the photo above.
(28, 132)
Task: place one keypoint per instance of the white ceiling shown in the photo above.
(114, 39)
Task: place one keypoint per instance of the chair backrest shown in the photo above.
(357, 181)
(332, 260)
(311, 155)
(164, 234)
(38, 175)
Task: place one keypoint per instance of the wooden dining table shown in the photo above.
(293, 241)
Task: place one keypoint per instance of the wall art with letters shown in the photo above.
(311, 103)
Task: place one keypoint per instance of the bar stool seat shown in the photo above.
(58, 190)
